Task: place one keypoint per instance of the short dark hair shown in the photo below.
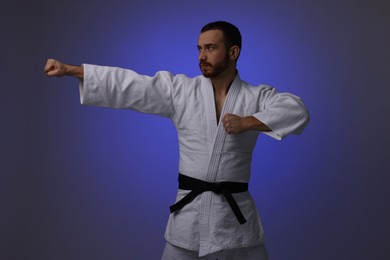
(230, 32)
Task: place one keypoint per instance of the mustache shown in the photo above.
(204, 64)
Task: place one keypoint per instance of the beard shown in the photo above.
(213, 70)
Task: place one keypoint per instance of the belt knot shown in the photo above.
(216, 187)
(197, 187)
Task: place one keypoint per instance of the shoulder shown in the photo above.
(255, 89)
(179, 79)
(187, 79)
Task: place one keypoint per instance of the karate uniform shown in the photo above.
(207, 152)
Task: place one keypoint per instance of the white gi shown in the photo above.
(207, 224)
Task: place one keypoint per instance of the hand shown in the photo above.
(55, 68)
(233, 124)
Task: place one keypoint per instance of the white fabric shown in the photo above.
(172, 252)
(207, 153)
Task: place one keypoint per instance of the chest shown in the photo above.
(219, 100)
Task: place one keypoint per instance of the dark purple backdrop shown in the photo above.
(93, 183)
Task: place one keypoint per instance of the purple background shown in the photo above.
(93, 183)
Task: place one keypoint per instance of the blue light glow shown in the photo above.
(95, 183)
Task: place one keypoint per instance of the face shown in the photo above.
(213, 58)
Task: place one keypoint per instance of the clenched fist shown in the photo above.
(55, 68)
(233, 124)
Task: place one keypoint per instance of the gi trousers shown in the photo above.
(172, 252)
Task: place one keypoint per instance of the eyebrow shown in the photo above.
(207, 45)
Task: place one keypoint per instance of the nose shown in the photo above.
(202, 56)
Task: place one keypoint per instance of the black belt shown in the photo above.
(198, 186)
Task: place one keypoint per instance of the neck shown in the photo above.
(222, 82)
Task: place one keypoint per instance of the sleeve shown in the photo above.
(283, 113)
(122, 88)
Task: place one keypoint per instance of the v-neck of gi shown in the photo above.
(216, 129)
(227, 105)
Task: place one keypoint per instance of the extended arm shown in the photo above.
(116, 87)
(56, 68)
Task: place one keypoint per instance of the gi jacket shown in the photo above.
(207, 224)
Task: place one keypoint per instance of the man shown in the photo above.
(218, 118)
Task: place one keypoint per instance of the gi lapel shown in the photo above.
(217, 130)
(219, 134)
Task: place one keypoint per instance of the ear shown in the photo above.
(234, 52)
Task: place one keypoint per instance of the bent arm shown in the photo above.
(283, 113)
(235, 124)
(252, 123)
